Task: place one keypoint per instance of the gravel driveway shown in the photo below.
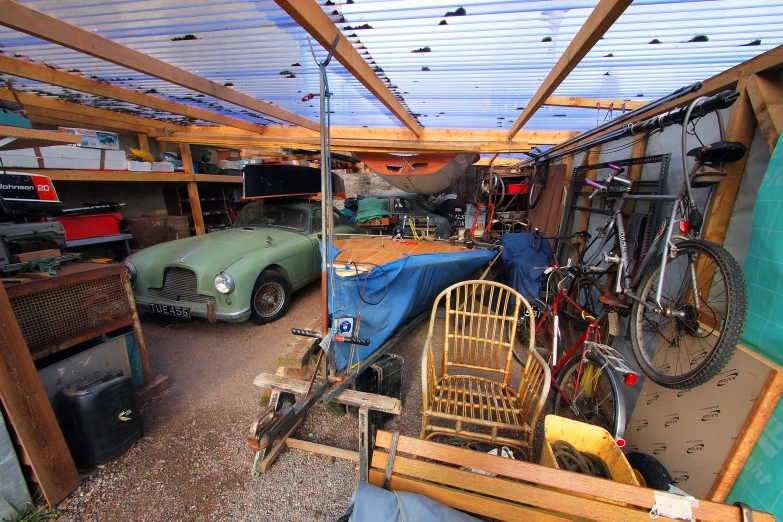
(193, 462)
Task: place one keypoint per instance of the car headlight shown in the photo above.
(131, 269)
(224, 283)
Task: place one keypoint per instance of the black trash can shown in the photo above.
(100, 418)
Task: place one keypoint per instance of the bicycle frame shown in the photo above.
(624, 283)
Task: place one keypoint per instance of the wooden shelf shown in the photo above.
(29, 138)
(125, 176)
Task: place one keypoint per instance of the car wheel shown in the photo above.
(270, 299)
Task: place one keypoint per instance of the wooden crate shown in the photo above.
(149, 231)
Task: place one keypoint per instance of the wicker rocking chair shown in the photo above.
(470, 387)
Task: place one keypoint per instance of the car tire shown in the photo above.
(650, 470)
(270, 299)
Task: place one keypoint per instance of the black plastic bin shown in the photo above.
(383, 377)
(100, 418)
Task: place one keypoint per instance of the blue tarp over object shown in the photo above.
(523, 261)
(413, 284)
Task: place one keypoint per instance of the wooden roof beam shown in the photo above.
(45, 107)
(315, 21)
(766, 97)
(592, 103)
(497, 137)
(353, 145)
(27, 20)
(77, 82)
(599, 21)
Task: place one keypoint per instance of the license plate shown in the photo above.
(176, 311)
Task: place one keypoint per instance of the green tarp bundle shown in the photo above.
(372, 208)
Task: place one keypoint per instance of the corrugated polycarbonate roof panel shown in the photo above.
(253, 46)
(471, 65)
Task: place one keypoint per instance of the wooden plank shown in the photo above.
(313, 19)
(70, 119)
(757, 420)
(741, 127)
(27, 20)
(31, 138)
(32, 101)
(323, 449)
(116, 175)
(638, 150)
(144, 143)
(599, 21)
(465, 501)
(766, 97)
(37, 254)
(193, 196)
(539, 137)
(31, 413)
(368, 145)
(349, 397)
(217, 178)
(562, 503)
(42, 73)
(562, 480)
(592, 103)
(300, 348)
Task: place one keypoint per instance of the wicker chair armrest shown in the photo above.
(534, 387)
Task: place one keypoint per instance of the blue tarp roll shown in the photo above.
(413, 284)
(523, 261)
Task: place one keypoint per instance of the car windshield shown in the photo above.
(258, 215)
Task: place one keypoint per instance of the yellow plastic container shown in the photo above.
(589, 438)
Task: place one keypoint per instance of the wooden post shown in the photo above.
(195, 201)
(746, 441)
(144, 143)
(31, 413)
(766, 96)
(741, 127)
(591, 156)
(635, 171)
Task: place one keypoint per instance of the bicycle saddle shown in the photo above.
(719, 152)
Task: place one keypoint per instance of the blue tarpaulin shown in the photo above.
(401, 290)
(523, 261)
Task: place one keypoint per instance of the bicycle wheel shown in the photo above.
(691, 347)
(599, 400)
(537, 186)
(586, 291)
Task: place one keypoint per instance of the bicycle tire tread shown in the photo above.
(733, 327)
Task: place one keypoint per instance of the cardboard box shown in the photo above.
(94, 139)
(38, 254)
(65, 157)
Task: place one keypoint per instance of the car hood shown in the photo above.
(217, 251)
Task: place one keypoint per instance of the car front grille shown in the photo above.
(179, 284)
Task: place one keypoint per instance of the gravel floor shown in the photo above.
(193, 462)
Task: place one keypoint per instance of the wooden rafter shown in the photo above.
(27, 20)
(41, 73)
(599, 21)
(46, 107)
(766, 97)
(315, 21)
(353, 145)
(592, 103)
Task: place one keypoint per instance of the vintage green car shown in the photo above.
(247, 271)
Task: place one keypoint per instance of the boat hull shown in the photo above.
(421, 173)
(390, 294)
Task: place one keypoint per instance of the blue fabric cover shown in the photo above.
(373, 504)
(523, 261)
(414, 283)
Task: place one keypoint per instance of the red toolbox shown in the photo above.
(92, 225)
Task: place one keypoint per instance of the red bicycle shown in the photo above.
(586, 375)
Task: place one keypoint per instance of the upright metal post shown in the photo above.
(326, 194)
